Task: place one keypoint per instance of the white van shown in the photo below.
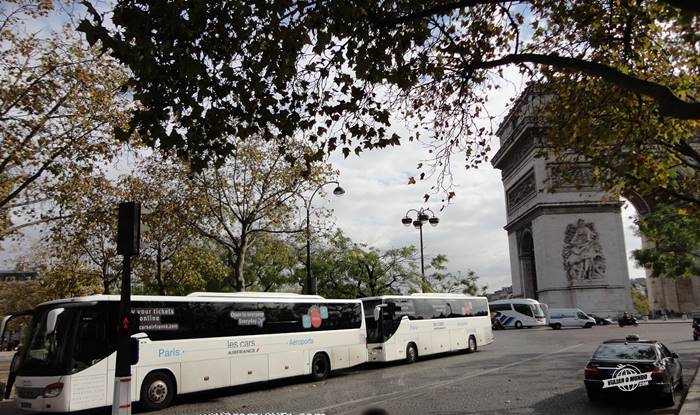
(519, 312)
(569, 317)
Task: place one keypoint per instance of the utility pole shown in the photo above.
(128, 241)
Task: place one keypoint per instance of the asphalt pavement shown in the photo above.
(535, 371)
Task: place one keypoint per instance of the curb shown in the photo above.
(691, 403)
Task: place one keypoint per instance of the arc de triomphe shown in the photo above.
(566, 242)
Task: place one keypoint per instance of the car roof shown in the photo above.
(630, 341)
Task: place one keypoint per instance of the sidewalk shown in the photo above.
(691, 403)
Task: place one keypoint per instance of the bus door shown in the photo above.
(12, 329)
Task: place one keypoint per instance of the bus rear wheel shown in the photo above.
(518, 324)
(472, 345)
(320, 367)
(157, 391)
(411, 353)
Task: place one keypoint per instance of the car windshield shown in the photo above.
(625, 351)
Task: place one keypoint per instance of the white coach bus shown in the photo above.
(405, 327)
(186, 344)
(520, 312)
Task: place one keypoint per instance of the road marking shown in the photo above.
(422, 389)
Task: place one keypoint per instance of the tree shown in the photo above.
(345, 269)
(339, 70)
(620, 142)
(254, 193)
(640, 302)
(168, 234)
(442, 281)
(196, 266)
(86, 235)
(270, 264)
(60, 100)
(674, 238)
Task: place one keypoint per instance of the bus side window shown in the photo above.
(91, 342)
(523, 309)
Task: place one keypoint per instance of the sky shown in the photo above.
(377, 196)
(470, 231)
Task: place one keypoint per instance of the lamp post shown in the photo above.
(422, 218)
(338, 191)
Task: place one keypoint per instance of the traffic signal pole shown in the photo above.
(128, 239)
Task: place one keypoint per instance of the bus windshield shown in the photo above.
(79, 340)
(46, 354)
(538, 311)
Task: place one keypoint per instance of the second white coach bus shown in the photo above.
(186, 344)
(520, 312)
(405, 327)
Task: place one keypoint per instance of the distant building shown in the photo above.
(502, 294)
(17, 276)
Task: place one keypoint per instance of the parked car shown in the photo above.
(632, 365)
(569, 317)
(601, 321)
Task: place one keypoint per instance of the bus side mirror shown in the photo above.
(51, 320)
(377, 312)
(133, 351)
(3, 324)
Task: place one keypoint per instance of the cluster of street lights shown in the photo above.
(422, 217)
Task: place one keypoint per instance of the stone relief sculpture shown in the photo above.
(582, 253)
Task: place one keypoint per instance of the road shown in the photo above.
(522, 372)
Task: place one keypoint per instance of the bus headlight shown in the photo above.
(53, 390)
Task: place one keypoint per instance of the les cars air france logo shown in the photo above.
(627, 378)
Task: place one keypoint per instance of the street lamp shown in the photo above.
(422, 217)
(338, 191)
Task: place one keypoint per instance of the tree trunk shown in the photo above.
(105, 278)
(159, 270)
(240, 251)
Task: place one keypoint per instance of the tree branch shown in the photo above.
(440, 9)
(669, 104)
(685, 5)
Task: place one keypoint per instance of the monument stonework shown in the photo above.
(566, 239)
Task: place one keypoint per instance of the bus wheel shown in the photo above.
(518, 324)
(320, 367)
(411, 353)
(157, 391)
(472, 345)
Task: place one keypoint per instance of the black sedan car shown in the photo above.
(633, 365)
(601, 321)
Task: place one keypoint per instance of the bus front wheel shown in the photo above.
(472, 345)
(157, 391)
(320, 367)
(411, 353)
(518, 324)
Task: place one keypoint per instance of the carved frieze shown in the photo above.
(566, 177)
(524, 190)
(582, 254)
